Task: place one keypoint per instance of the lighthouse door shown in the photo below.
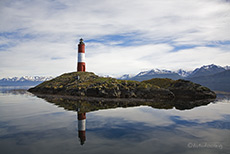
(83, 68)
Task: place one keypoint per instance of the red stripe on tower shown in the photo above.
(81, 56)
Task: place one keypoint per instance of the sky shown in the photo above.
(40, 37)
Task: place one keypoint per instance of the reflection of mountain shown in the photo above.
(92, 104)
(15, 90)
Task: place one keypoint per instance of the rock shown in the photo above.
(183, 89)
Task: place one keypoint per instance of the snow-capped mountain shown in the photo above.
(125, 77)
(183, 73)
(179, 74)
(227, 67)
(27, 78)
(154, 71)
(24, 80)
(206, 70)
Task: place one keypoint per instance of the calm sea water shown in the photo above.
(29, 124)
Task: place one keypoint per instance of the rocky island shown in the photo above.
(87, 84)
(86, 90)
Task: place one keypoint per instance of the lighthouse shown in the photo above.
(81, 56)
(81, 126)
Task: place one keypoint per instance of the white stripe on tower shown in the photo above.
(81, 57)
(81, 125)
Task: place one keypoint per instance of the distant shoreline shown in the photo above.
(222, 92)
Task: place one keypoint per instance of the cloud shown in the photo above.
(44, 34)
(118, 59)
(199, 115)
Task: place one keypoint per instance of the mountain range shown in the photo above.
(23, 81)
(212, 76)
(215, 77)
(179, 74)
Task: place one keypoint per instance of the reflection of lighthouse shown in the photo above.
(81, 56)
(81, 127)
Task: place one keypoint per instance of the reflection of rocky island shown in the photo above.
(88, 84)
(85, 104)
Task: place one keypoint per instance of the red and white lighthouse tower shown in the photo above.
(81, 127)
(81, 56)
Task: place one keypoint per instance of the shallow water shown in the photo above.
(29, 124)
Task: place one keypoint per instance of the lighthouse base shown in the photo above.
(81, 67)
